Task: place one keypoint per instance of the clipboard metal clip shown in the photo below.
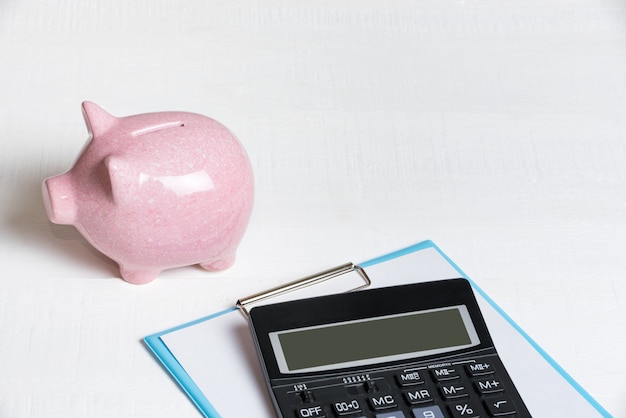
(314, 279)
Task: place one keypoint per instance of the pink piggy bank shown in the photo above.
(156, 191)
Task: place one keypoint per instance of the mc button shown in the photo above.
(313, 411)
(382, 402)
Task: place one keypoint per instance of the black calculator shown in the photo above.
(411, 351)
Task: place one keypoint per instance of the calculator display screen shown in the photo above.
(373, 340)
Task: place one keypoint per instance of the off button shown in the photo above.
(312, 411)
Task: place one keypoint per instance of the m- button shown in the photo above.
(442, 374)
(453, 391)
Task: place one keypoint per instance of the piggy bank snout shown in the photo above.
(58, 199)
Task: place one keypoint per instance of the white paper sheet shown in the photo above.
(219, 354)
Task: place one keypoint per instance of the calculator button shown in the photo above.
(394, 414)
(313, 411)
(347, 407)
(383, 402)
(464, 410)
(355, 390)
(428, 412)
(487, 386)
(501, 406)
(418, 396)
(305, 396)
(409, 379)
(442, 374)
(453, 391)
(370, 386)
(479, 369)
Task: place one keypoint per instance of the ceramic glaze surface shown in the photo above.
(156, 191)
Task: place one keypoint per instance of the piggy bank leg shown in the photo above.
(138, 275)
(222, 263)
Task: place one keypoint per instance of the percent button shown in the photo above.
(464, 410)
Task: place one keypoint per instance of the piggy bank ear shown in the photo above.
(97, 119)
(119, 176)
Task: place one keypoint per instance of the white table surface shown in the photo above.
(495, 128)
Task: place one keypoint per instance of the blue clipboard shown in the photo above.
(184, 350)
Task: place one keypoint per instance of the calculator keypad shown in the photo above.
(474, 388)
